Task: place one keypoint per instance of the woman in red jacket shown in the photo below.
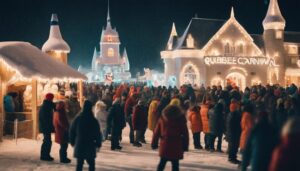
(172, 132)
(139, 123)
(61, 126)
(196, 125)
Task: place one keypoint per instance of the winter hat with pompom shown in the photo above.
(49, 96)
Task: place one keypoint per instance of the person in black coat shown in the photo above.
(165, 100)
(85, 135)
(216, 124)
(233, 128)
(115, 123)
(46, 126)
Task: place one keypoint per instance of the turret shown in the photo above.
(274, 25)
(274, 20)
(125, 61)
(173, 38)
(94, 60)
(55, 46)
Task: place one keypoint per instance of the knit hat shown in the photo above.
(175, 102)
(49, 96)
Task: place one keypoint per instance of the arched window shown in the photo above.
(241, 49)
(110, 52)
(227, 49)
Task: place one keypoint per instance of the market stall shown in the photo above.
(29, 72)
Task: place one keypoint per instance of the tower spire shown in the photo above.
(172, 37)
(173, 32)
(274, 18)
(126, 61)
(108, 15)
(232, 13)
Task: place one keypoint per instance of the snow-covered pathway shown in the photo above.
(25, 157)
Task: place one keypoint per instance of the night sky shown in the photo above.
(143, 25)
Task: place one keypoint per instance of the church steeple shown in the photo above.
(274, 19)
(108, 23)
(232, 13)
(172, 37)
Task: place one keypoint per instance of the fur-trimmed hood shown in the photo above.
(172, 112)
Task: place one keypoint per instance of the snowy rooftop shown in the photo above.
(30, 62)
(55, 41)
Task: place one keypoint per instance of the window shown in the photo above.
(294, 60)
(227, 48)
(293, 49)
(241, 49)
(278, 34)
(190, 41)
(110, 52)
(109, 38)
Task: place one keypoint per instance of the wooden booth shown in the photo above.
(29, 72)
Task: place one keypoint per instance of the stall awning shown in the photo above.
(294, 72)
(29, 62)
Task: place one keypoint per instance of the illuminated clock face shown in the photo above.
(109, 38)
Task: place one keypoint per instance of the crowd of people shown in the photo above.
(262, 122)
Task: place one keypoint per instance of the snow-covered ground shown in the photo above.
(24, 156)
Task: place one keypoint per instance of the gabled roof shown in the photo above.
(29, 62)
(202, 30)
(232, 21)
(292, 37)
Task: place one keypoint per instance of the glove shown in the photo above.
(154, 147)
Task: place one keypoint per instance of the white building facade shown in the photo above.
(218, 52)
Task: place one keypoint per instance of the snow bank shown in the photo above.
(25, 156)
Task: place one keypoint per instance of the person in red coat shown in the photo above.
(139, 123)
(196, 125)
(61, 126)
(128, 110)
(286, 155)
(172, 132)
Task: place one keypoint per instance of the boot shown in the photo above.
(65, 160)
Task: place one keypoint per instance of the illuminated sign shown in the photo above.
(240, 61)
